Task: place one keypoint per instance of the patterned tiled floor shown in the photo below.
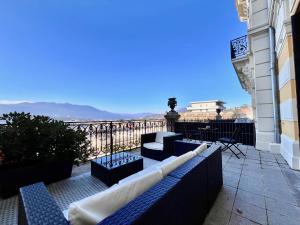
(79, 186)
(258, 189)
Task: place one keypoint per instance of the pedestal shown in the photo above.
(171, 118)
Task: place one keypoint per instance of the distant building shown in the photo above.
(202, 112)
(206, 106)
(240, 112)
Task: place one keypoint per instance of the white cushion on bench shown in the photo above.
(139, 174)
(173, 164)
(160, 136)
(65, 212)
(165, 161)
(154, 167)
(154, 146)
(160, 164)
(93, 209)
(201, 148)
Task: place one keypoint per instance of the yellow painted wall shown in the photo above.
(288, 91)
(287, 52)
(290, 129)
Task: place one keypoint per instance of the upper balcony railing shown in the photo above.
(239, 47)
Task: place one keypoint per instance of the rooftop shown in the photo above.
(207, 101)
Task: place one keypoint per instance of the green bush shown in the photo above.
(32, 139)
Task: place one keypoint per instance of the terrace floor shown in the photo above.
(258, 189)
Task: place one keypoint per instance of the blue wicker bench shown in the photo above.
(183, 197)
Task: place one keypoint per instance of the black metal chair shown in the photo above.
(231, 142)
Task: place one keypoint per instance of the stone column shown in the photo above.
(171, 118)
(258, 31)
(263, 90)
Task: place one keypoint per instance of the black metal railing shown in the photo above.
(239, 47)
(107, 137)
(213, 130)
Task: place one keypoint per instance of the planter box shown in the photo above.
(11, 179)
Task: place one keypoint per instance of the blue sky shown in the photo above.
(121, 56)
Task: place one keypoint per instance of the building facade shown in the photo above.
(245, 112)
(266, 61)
(206, 106)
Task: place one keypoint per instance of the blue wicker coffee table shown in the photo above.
(111, 169)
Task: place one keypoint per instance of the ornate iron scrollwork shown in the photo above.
(107, 137)
(239, 47)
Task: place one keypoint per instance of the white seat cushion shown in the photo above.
(165, 161)
(154, 167)
(160, 136)
(173, 164)
(154, 146)
(139, 174)
(201, 148)
(65, 212)
(93, 209)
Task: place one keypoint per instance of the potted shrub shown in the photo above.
(37, 148)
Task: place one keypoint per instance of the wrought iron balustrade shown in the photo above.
(216, 130)
(107, 137)
(239, 47)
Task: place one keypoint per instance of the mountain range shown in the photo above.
(68, 112)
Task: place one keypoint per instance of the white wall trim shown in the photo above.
(285, 32)
(275, 148)
(264, 28)
(294, 7)
(290, 151)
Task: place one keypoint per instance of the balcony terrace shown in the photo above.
(259, 188)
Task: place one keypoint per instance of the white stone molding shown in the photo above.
(243, 9)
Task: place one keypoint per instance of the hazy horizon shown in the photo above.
(15, 102)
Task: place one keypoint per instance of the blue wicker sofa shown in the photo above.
(184, 196)
(165, 144)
